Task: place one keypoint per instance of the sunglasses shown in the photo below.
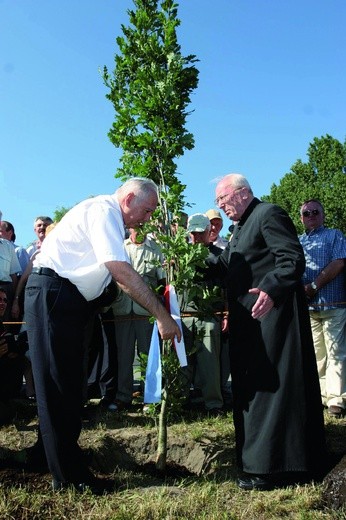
(4, 300)
(314, 212)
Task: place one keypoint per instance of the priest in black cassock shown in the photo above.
(278, 413)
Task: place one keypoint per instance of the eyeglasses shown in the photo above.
(4, 300)
(308, 212)
(221, 198)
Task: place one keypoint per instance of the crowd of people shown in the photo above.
(276, 329)
(15, 262)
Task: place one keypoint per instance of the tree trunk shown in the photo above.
(161, 457)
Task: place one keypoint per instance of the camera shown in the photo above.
(17, 345)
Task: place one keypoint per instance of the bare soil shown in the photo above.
(112, 442)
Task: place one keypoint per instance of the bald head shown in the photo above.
(233, 195)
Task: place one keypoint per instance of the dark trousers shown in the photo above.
(56, 315)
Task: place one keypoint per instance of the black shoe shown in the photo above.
(94, 486)
(256, 482)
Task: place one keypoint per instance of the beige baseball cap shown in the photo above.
(213, 213)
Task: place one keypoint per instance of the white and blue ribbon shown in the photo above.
(153, 376)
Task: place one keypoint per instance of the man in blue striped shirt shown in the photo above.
(324, 282)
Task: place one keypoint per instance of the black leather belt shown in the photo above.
(46, 271)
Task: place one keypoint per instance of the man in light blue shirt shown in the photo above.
(324, 282)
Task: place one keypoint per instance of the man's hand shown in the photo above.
(168, 328)
(263, 304)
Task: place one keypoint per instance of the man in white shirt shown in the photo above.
(9, 268)
(7, 231)
(77, 261)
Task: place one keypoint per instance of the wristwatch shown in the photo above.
(314, 286)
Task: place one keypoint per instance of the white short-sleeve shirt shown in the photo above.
(9, 263)
(89, 235)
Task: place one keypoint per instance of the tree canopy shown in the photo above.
(322, 177)
(150, 91)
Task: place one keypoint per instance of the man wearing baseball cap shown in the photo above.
(205, 363)
(216, 225)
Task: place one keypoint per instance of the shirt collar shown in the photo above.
(316, 230)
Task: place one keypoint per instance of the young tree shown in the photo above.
(150, 90)
(322, 177)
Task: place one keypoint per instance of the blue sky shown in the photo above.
(272, 77)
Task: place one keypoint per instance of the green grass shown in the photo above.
(142, 496)
(201, 499)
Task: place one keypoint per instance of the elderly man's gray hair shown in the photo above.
(140, 186)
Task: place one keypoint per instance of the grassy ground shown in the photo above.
(140, 495)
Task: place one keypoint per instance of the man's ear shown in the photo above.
(129, 198)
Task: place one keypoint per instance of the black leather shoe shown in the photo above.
(94, 486)
(256, 482)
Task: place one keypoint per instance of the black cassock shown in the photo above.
(278, 413)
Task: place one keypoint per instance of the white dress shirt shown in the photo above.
(9, 263)
(89, 235)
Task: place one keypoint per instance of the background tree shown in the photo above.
(150, 90)
(322, 177)
(59, 213)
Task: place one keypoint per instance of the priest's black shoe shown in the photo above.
(256, 482)
(94, 486)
